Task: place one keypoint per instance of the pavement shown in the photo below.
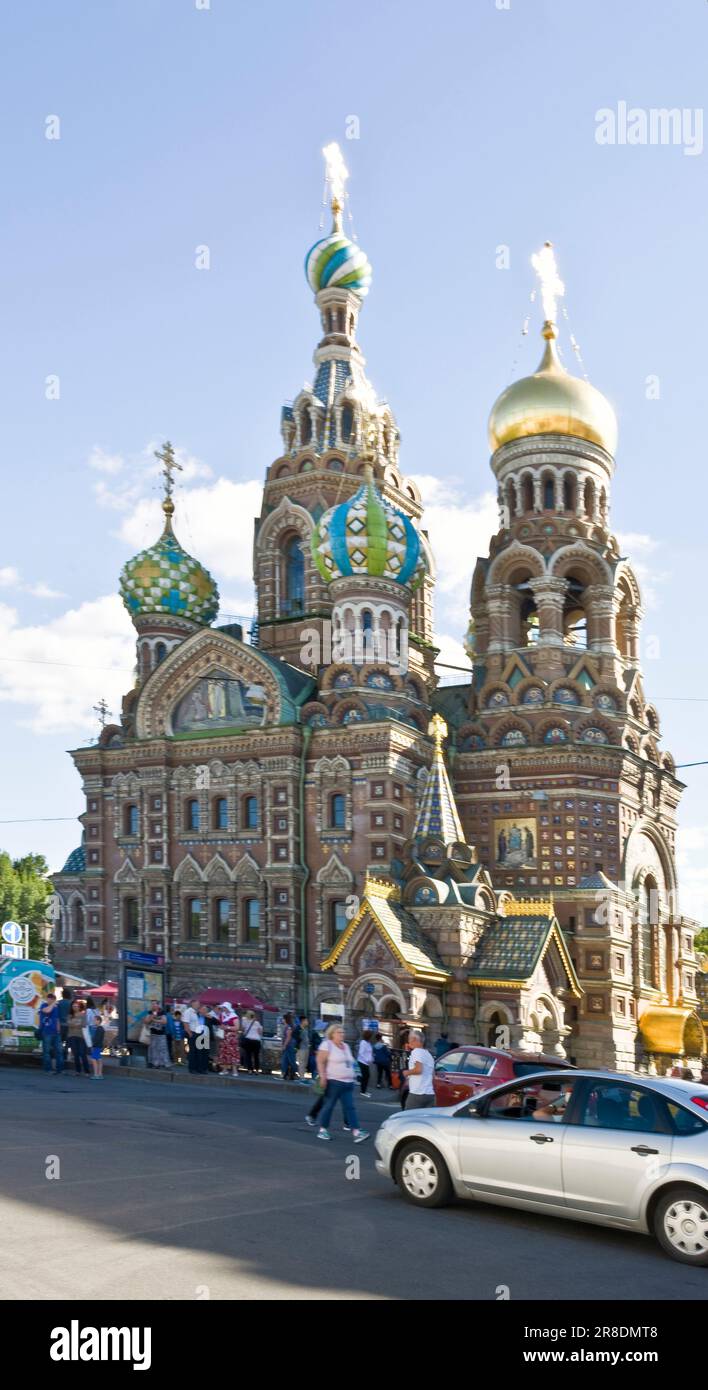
(127, 1188)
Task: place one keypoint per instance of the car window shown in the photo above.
(450, 1062)
(476, 1064)
(611, 1105)
(528, 1068)
(684, 1121)
(540, 1102)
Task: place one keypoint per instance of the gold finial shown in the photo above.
(438, 729)
(166, 455)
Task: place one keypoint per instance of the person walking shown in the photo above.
(287, 1053)
(98, 1038)
(403, 1058)
(229, 1055)
(419, 1074)
(335, 1066)
(64, 1009)
(382, 1060)
(251, 1042)
(365, 1058)
(302, 1058)
(49, 1029)
(77, 1038)
(158, 1056)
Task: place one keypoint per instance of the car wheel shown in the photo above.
(422, 1175)
(681, 1225)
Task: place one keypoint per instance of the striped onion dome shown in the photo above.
(336, 263)
(164, 580)
(366, 534)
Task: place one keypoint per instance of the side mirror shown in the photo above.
(475, 1110)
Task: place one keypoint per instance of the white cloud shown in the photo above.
(42, 590)
(105, 463)
(452, 653)
(127, 481)
(55, 672)
(214, 523)
(459, 531)
(9, 577)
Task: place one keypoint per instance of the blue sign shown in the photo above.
(12, 932)
(141, 958)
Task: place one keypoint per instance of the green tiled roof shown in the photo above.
(414, 946)
(510, 948)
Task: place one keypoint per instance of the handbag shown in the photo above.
(144, 1035)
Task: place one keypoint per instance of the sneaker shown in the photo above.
(309, 1121)
(323, 1134)
(361, 1136)
(366, 1095)
(347, 1129)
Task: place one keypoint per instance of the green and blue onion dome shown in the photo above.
(368, 535)
(165, 581)
(336, 263)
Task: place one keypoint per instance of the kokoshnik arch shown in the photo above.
(279, 814)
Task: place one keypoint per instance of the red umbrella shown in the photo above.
(109, 989)
(240, 998)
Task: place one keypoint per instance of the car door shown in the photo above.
(508, 1153)
(618, 1139)
(447, 1079)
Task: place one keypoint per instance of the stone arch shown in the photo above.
(635, 868)
(495, 1014)
(217, 870)
(202, 654)
(585, 561)
(189, 871)
(513, 557)
(127, 873)
(509, 723)
(555, 721)
(246, 869)
(592, 720)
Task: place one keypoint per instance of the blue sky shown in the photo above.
(183, 127)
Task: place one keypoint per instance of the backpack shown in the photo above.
(297, 1035)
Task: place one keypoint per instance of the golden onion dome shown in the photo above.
(552, 402)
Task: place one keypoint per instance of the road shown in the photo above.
(174, 1192)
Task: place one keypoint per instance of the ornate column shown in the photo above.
(537, 498)
(549, 593)
(600, 612)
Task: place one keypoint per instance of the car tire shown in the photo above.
(422, 1175)
(681, 1225)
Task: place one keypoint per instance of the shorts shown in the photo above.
(95, 1053)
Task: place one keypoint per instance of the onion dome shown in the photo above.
(165, 581)
(336, 263)
(367, 535)
(552, 402)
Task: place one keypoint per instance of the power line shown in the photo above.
(71, 665)
(36, 820)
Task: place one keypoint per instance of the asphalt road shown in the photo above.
(171, 1192)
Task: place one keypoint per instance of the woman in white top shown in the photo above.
(335, 1067)
(365, 1058)
(251, 1042)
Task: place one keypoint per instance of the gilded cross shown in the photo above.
(103, 712)
(166, 455)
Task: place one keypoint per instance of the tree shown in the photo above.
(701, 941)
(24, 896)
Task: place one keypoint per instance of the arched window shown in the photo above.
(549, 494)
(569, 493)
(305, 427)
(347, 423)
(250, 813)
(575, 624)
(648, 918)
(131, 820)
(589, 498)
(337, 919)
(294, 576)
(78, 920)
(131, 924)
(160, 653)
(222, 912)
(193, 919)
(191, 814)
(338, 812)
(527, 495)
(221, 813)
(251, 921)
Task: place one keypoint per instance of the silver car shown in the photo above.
(607, 1147)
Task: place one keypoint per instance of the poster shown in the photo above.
(23, 985)
(143, 989)
(516, 842)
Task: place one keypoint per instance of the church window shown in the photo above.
(250, 813)
(156, 854)
(78, 921)
(379, 851)
(549, 494)
(222, 910)
(251, 921)
(527, 495)
(130, 919)
(337, 918)
(305, 427)
(131, 820)
(193, 919)
(347, 423)
(338, 812)
(569, 493)
(294, 576)
(156, 803)
(367, 620)
(160, 653)
(221, 813)
(191, 820)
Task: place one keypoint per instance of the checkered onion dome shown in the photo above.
(165, 580)
(368, 535)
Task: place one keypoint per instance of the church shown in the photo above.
(309, 815)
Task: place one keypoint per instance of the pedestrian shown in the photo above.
(98, 1037)
(49, 1029)
(442, 1046)
(108, 1024)
(78, 1038)
(382, 1059)
(687, 1074)
(64, 1008)
(365, 1058)
(302, 1058)
(403, 1057)
(287, 1053)
(158, 1056)
(251, 1040)
(419, 1073)
(179, 1040)
(335, 1066)
(91, 1012)
(194, 1027)
(228, 1056)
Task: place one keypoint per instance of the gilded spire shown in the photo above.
(438, 817)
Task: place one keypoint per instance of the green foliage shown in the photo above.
(701, 941)
(24, 894)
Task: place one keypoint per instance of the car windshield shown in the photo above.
(529, 1068)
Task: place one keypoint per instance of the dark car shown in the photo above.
(468, 1071)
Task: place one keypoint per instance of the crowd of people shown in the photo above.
(75, 1028)
(202, 1037)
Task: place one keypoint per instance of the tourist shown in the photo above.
(365, 1058)
(108, 1023)
(78, 1039)
(251, 1040)
(194, 1028)
(49, 1030)
(64, 1009)
(287, 1051)
(158, 1056)
(176, 1033)
(442, 1046)
(335, 1066)
(91, 1012)
(382, 1059)
(228, 1056)
(403, 1075)
(302, 1058)
(98, 1037)
(419, 1073)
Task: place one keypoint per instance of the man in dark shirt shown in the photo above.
(50, 1034)
(64, 1009)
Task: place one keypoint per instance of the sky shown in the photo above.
(151, 287)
